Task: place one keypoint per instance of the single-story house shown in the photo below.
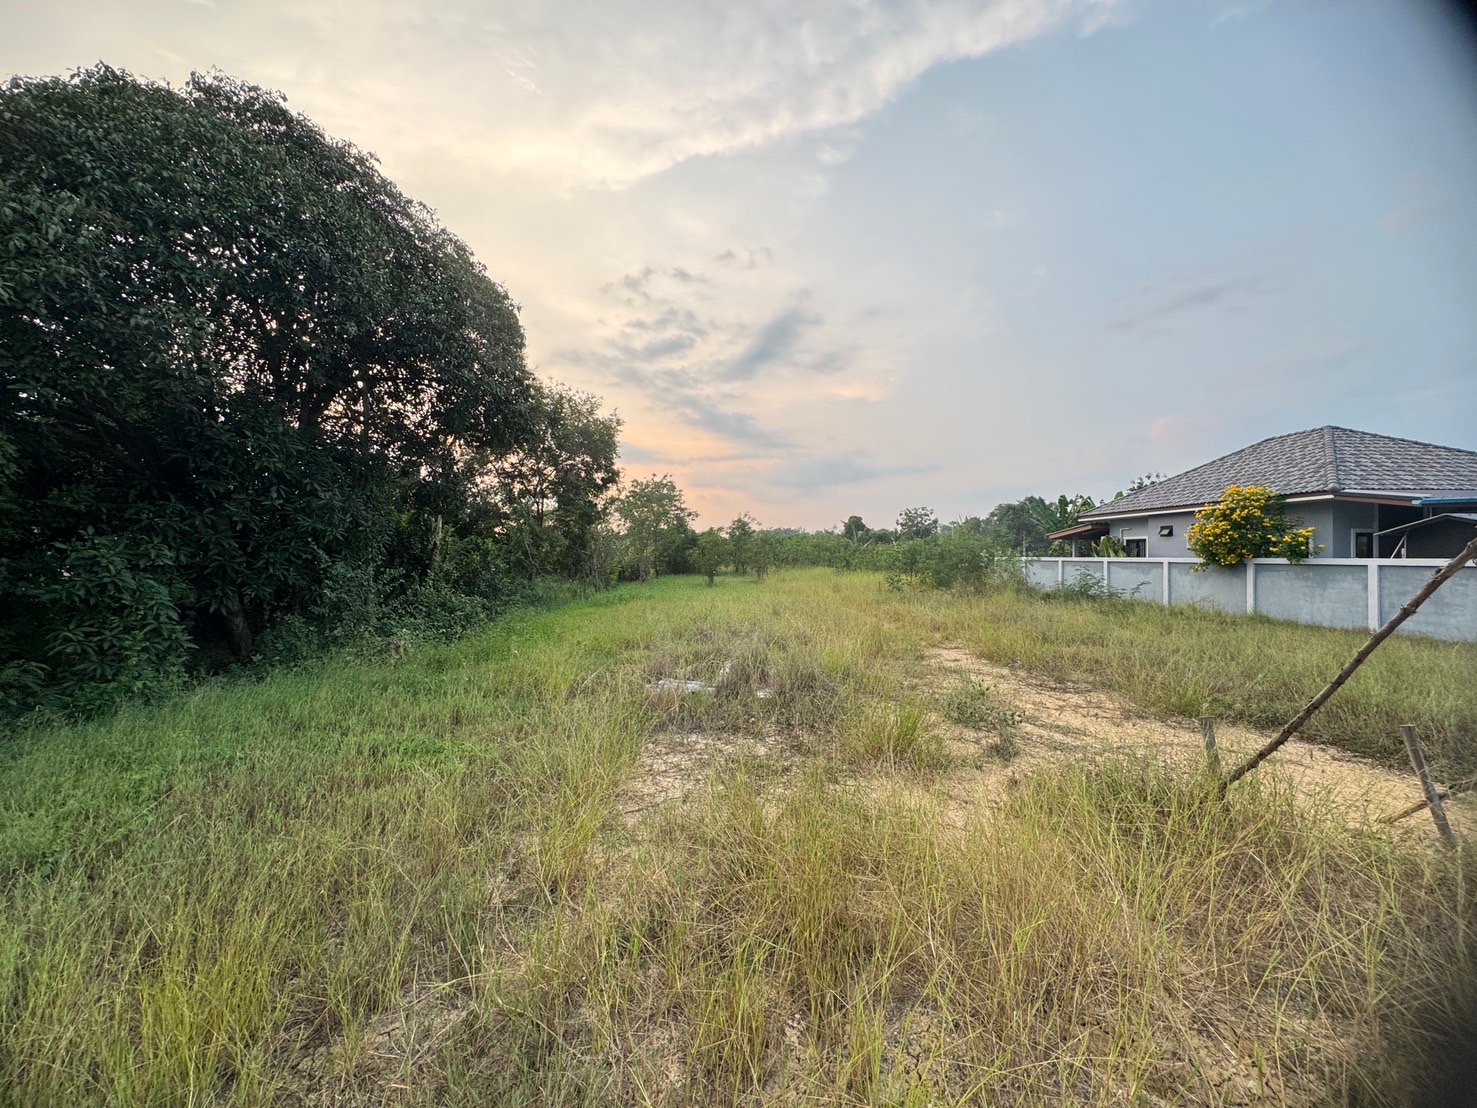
(1364, 495)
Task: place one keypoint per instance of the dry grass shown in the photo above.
(513, 872)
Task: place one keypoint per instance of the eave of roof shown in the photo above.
(1078, 531)
(1454, 517)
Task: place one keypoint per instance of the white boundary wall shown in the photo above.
(1326, 592)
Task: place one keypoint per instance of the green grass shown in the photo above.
(411, 882)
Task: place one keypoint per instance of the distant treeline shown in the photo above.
(974, 552)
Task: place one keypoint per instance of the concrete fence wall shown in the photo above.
(1326, 592)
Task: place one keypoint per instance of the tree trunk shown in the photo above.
(238, 631)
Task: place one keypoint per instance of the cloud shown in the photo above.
(750, 259)
(668, 319)
(775, 342)
(634, 454)
(834, 470)
(631, 287)
(703, 371)
(607, 92)
(739, 427)
(1148, 308)
(1241, 9)
(657, 349)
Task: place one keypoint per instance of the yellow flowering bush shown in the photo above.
(1249, 522)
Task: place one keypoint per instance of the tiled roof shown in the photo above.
(1323, 460)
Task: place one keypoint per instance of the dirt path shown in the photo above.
(1080, 723)
(1057, 723)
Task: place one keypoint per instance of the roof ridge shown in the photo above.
(1331, 446)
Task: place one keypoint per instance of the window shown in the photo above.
(1364, 544)
(1137, 548)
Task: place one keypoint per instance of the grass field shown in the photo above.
(456, 877)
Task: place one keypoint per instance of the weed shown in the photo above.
(972, 703)
(1006, 747)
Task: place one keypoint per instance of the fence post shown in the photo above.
(1374, 594)
(1061, 571)
(1212, 753)
(1164, 565)
(1433, 794)
(1250, 587)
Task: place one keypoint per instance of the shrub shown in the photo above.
(973, 704)
(1250, 521)
(960, 559)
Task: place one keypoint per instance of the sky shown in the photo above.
(828, 257)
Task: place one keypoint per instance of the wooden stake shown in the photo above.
(1439, 578)
(1212, 754)
(1412, 739)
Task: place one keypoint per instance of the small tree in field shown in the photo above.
(710, 552)
(652, 511)
(762, 554)
(741, 542)
(1250, 521)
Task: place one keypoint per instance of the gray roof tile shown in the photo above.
(1323, 460)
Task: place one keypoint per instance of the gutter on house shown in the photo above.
(1397, 500)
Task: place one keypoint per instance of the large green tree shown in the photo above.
(1058, 514)
(232, 356)
(741, 542)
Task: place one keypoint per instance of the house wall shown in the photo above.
(1346, 517)
(1319, 515)
(1148, 528)
(1326, 592)
(1332, 521)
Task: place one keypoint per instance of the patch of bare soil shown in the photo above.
(1077, 723)
(674, 764)
(386, 1062)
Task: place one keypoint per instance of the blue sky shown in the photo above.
(835, 256)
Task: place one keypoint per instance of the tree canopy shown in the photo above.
(917, 523)
(235, 358)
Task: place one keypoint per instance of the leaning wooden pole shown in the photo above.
(1289, 729)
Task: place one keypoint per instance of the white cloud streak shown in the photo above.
(607, 92)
